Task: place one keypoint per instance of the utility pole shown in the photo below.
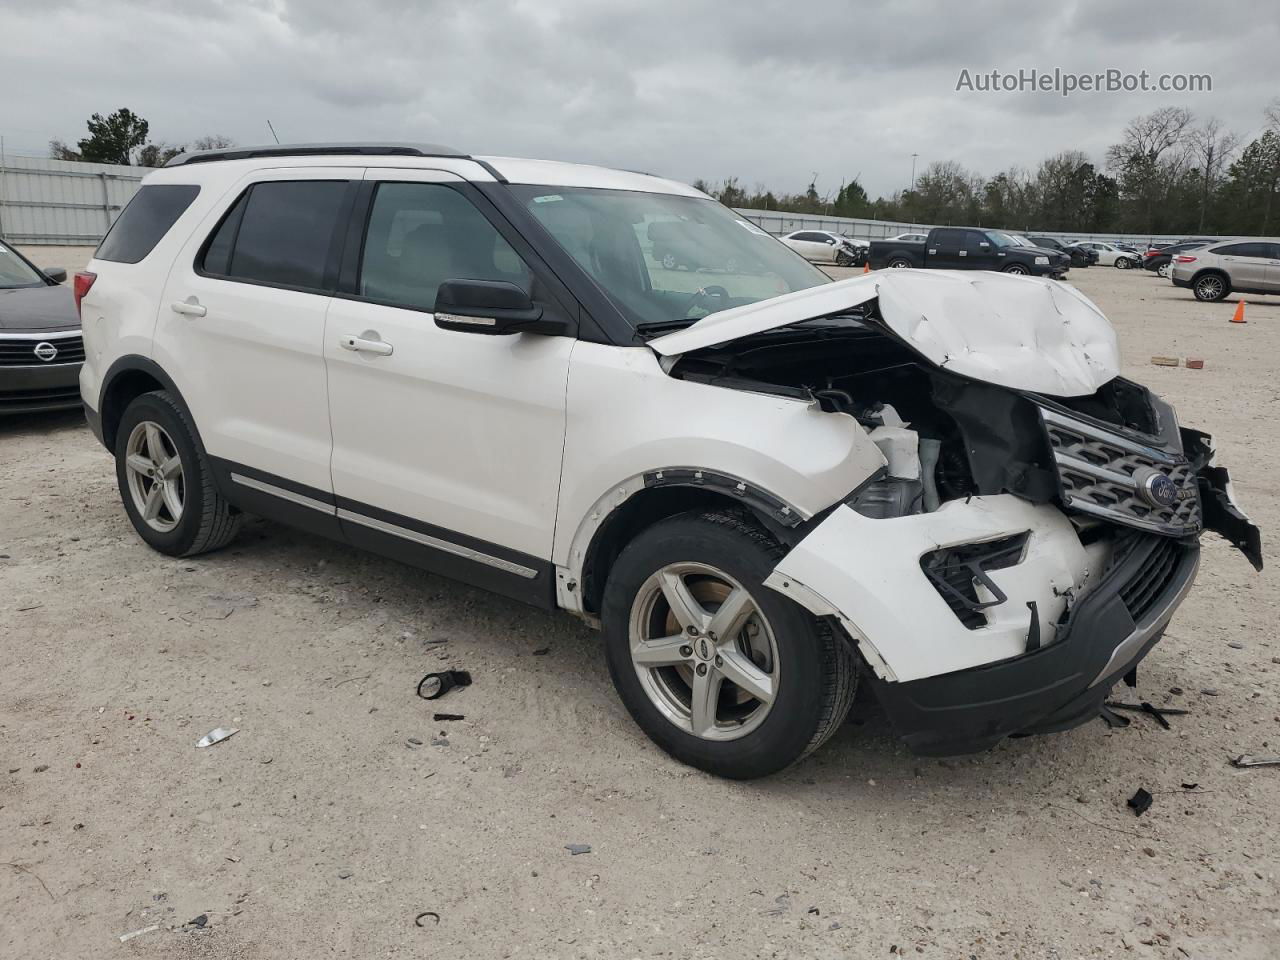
(913, 171)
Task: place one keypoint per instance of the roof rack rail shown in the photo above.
(318, 150)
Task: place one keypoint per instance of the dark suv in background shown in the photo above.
(40, 347)
(1080, 257)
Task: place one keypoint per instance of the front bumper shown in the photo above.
(34, 389)
(1054, 688)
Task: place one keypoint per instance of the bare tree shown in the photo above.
(1151, 156)
(213, 142)
(1212, 147)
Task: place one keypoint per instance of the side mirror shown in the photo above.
(490, 307)
(56, 274)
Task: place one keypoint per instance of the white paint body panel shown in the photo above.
(1027, 333)
(458, 430)
(867, 572)
(626, 417)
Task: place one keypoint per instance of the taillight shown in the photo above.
(1184, 259)
(83, 282)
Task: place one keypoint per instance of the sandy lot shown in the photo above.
(323, 828)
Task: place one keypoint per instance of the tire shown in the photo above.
(1122, 263)
(843, 259)
(1211, 287)
(899, 263)
(1017, 269)
(190, 515)
(669, 261)
(807, 670)
(1162, 271)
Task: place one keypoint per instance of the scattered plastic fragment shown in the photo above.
(417, 921)
(216, 736)
(1140, 802)
(577, 848)
(200, 921)
(448, 716)
(1165, 361)
(1190, 786)
(125, 937)
(1111, 718)
(1144, 707)
(436, 685)
(1245, 760)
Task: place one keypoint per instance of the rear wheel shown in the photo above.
(844, 259)
(899, 263)
(719, 670)
(1123, 263)
(1163, 270)
(166, 482)
(669, 261)
(1211, 288)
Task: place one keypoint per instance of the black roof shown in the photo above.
(318, 150)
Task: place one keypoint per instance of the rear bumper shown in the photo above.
(32, 389)
(1181, 281)
(1055, 688)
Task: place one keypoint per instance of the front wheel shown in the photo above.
(1017, 269)
(166, 481)
(719, 670)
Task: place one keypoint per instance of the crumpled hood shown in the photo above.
(1025, 333)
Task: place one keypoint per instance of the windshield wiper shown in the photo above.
(656, 328)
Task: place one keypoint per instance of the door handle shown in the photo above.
(365, 344)
(190, 307)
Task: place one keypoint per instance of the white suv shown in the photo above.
(761, 487)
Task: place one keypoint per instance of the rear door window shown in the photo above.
(280, 232)
(1243, 250)
(145, 220)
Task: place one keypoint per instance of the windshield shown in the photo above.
(16, 272)
(667, 260)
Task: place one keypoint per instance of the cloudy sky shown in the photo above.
(771, 92)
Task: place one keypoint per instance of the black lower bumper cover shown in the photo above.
(1047, 690)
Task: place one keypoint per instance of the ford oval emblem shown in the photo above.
(46, 351)
(1159, 491)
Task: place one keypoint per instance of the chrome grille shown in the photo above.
(1101, 473)
(21, 351)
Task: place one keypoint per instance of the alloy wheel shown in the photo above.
(704, 652)
(155, 477)
(1209, 288)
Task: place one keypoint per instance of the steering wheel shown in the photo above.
(703, 293)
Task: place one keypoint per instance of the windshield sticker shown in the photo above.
(747, 225)
(550, 198)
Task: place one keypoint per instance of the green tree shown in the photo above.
(113, 139)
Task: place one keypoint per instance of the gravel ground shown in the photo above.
(341, 811)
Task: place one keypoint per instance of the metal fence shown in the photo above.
(779, 224)
(62, 202)
(68, 202)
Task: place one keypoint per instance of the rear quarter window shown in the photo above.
(145, 220)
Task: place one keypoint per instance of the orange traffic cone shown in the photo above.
(1239, 317)
(866, 267)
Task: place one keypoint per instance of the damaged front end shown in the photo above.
(1024, 545)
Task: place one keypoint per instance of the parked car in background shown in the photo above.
(682, 244)
(1128, 248)
(1158, 259)
(823, 246)
(40, 347)
(911, 237)
(761, 491)
(1079, 256)
(968, 248)
(1236, 266)
(1109, 255)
